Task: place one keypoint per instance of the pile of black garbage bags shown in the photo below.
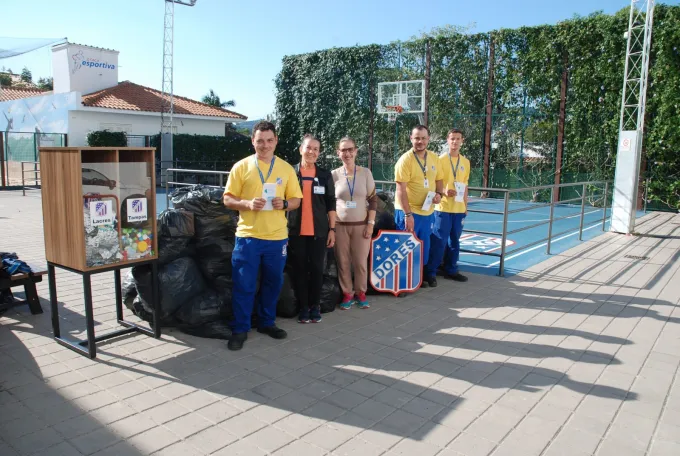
(195, 242)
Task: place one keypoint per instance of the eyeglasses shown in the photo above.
(349, 149)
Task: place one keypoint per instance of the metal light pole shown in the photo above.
(632, 121)
(167, 99)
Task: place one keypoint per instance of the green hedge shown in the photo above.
(204, 152)
(105, 138)
(331, 93)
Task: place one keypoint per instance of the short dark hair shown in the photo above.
(421, 127)
(456, 130)
(347, 138)
(311, 137)
(264, 125)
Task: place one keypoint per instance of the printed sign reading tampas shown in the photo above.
(101, 213)
(396, 262)
(136, 210)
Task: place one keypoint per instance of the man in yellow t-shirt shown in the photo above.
(450, 214)
(262, 188)
(420, 186)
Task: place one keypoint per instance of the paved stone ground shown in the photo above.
(578, 356)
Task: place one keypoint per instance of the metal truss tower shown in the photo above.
(632, 121)
(167, 100)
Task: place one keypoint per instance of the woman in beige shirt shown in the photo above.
(356, 205)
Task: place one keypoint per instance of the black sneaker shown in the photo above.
(315, 314)
(274, 332)
(304, 317)
(236, 341)
(458, 277)
(432, 281)
(425, 284)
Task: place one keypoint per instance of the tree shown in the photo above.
(5, 80)
(26, 75)
(214, 100)
(46, 83)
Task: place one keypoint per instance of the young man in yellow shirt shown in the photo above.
(262, 188)
(420, 186)
(449, 215)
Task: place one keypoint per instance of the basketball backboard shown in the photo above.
(408, 95)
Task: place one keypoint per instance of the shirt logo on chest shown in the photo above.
(279, 181)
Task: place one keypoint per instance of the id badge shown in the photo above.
(351, 204)
(426, 183)
(268, 193)
(319, 190)
(460, 192)
(428, 201)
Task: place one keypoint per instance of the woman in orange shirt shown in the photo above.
(311, 230)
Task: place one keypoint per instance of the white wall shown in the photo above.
(82, 122)
(83, 69)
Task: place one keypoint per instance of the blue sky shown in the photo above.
(235, 48)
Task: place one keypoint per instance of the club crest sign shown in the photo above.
(396, 262)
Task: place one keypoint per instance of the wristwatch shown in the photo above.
(285, 204)
(371, 222)
(331, 229)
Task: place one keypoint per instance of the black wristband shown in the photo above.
(285, 204)
(331, 229)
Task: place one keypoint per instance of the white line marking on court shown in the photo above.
(543, 245)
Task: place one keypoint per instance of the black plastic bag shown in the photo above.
(128, 289)
(222, 227)
(287, 306)
(203, 308)
(171, 249)
(213, 330)
(201, 200)
(139, 310)
(214, 258)
(384, 215)
(175, 223)
(331, 294)
(179, 282)
(330, 267)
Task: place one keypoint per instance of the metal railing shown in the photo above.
(36, 172)
(505, 213)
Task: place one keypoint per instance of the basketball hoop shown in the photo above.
(393, 112)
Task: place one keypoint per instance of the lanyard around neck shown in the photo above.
(271, 168)
(354, 182)
(422, 167)
(455, 171)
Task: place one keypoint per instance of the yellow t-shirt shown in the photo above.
(245, 183)
(448, 164)
(408, 170)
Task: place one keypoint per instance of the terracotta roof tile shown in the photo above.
(17, 93)
(134, 97)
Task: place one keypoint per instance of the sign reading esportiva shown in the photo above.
(94, 63)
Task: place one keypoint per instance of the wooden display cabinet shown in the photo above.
(99, 215)
(74, 181)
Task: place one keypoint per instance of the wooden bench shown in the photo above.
(28, 281)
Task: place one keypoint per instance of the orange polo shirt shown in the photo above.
(307, 224)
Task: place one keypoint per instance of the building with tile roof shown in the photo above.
(87, 97)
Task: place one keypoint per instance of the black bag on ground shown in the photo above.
(213, 257)
(203, 201)
(139, 310)
(178, 282)
(287, 306)
(203, 308)
(175, 230)
(330, 267)
(331, 294)
(213, 330)
(222, 226)
(128, 289)
(174, 223)
(384, 215)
